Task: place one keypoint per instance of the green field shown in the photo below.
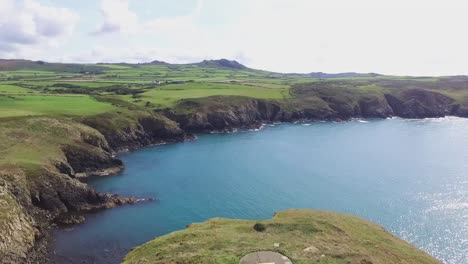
(36, 88)
(66, 89)
(167, 96)
(32, 105)
(13, 89)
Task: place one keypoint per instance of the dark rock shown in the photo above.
(374, 107)
(69, 219)
(65, 168)
(420, 104)
(89, 160)
(128, 132)
(224, 116)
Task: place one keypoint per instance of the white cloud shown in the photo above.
(27, 25)
(117, 17)
(123, 36)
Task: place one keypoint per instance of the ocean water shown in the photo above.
(410, 176)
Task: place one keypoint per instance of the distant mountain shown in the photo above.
(15, 65)
(157, 62)
(222, 63)
(323, 75)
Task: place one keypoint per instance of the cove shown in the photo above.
(410, 176)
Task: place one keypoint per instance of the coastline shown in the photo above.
(94, 151)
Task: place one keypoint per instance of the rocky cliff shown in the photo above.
(125, 131)
(18, 234)
(223, 114)
(45, 160)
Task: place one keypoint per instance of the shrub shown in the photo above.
(259, 227)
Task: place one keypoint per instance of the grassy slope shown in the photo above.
(29, 105)
(13, 89)
(330, 237)
(32, 142)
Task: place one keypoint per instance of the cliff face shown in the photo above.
(126, 131)
(225, 114)
(420, 103)
(39, 180)
(18, 233)
(230, 113)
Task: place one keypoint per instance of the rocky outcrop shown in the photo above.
(420, 104)
(226, 114)
(460, 110)
(29, 204)
(374, 107)
(18, 234)
(58, 194)
(51, 192)
(124, 131)
(84, 161)
(223, 114)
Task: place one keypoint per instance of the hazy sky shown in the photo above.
(408, 37)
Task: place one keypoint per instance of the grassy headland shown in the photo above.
(304, 236)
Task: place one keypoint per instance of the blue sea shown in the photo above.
(410, 176)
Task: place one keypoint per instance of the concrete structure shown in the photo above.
(265, 257)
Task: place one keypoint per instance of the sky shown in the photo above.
(400, 37)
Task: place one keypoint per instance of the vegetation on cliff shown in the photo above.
(304, 236)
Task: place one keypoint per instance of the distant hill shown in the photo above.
(222, 63)
(324, 75)
(157, 62)
(15, 65)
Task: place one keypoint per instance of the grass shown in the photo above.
(13, 89)
(58, 82)
(329, 237)
(30, 142)
(168, 95)
(32, 105)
